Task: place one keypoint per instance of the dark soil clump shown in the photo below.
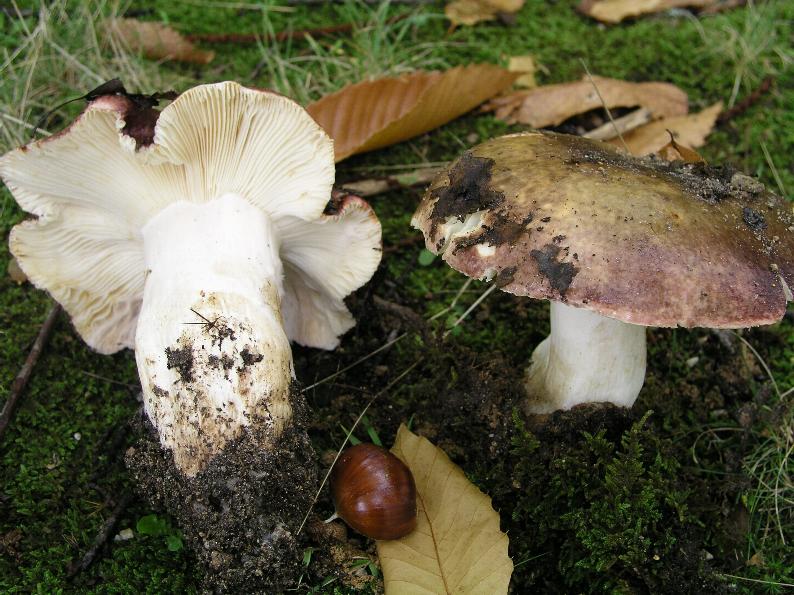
(241, 513)
(592, 494)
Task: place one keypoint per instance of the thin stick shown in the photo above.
(755, 580)
(375, 186)
(461, 291)
(355, 363)
(102, 537)
(604, 103)
(747, 102)
(281, 35)
(402, 375)
(776, 492)
(15, 120)
(627, 123)
(21, 380)
(256, 37)
(761, 361)
(471, 308)
(110, 380)
(771, 164)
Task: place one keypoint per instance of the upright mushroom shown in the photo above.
(616, 244)
(199, 236)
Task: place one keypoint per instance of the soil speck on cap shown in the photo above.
(753, 219)
(559, 274)
(468, 191)
(505, 276)
(181, 358)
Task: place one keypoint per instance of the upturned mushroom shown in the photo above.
(201, 236)
(615, 244)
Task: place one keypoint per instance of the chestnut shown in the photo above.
(374, 492)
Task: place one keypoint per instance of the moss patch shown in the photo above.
(589, 506)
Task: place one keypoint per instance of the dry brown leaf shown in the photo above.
(689, 131)
(614, 11)
(527, 67)
(471, 12)
(15, 272)
(457, 546)
(674, 151)
(157, 41)
(551, 105)
(374, 114)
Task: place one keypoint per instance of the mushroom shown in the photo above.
(615, 244)
(199, 236)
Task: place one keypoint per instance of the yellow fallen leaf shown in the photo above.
(551, 105)
(156, 41)
(457, 546)
(690, 131)
(614, 11)
(374, 114)
(527, 67)
(470, 12)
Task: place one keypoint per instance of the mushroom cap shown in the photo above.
(640, 240)
(93, 186)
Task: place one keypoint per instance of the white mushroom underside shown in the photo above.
(587, 358)
(212, 354)
(236, 181)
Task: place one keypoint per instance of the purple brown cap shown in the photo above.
(640, 240)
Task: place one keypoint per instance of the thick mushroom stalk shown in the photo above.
(616, 244)
(587, 358)
(212, 353)
(207, 236)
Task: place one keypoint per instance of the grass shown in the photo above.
(55, 486)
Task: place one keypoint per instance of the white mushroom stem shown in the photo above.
(212, 354)
(587, 358)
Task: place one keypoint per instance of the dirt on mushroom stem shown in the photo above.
(241, 513)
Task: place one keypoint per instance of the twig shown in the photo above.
(755, 580)
(604, 104)
(256, 37)
(747, 102)
(15, 120)
(471, 308)
(21, 380)
(722, 6)
(373, 186)
(761, 361)
(355, 363)
(388, 387)
(404, 243)
(622, 125)
(280, 36)
(102, 537)
(770, 162)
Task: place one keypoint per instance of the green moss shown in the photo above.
(605, 507)
(588, 513)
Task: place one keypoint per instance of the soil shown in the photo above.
(240, 515)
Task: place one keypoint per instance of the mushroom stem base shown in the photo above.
(587, 358)
(240, 514)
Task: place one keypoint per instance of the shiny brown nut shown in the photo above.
(374, 492)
